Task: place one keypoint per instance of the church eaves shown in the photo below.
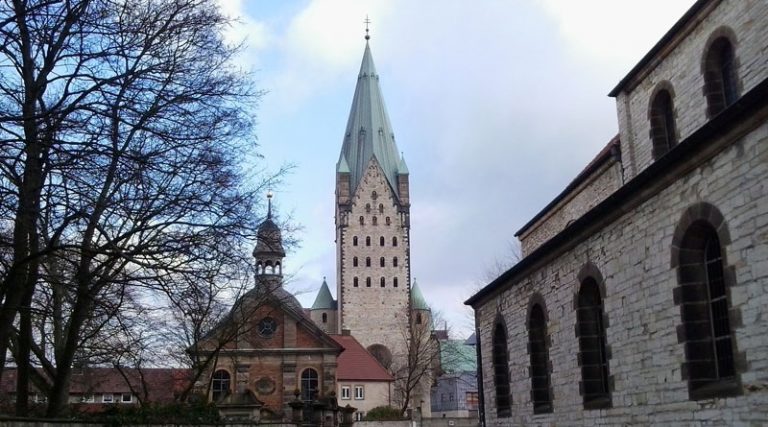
(369, 133)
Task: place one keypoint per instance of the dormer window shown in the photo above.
(662, 123)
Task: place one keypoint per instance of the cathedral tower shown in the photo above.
(372, 224)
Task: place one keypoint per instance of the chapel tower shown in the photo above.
(372, 224)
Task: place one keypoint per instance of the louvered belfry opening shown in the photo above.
(538, 349)
(501, 370)
(593, 354)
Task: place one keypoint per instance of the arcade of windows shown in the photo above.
(708, 340)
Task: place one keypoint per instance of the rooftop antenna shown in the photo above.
(367, 21)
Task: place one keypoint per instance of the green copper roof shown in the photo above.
(369, 133)
(417, 299)
(402, 169)
(455, 356)
(342, 166)
(324, 300)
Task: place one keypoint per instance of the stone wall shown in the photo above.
(682, 69)
(592, 191)
(633, 254)
(375, 314)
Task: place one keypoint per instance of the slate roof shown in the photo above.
(324, 300)
(355, 363)
(369, 133)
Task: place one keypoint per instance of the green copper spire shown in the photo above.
(369, 134)
(402, 169)
(342, 166)
(417, 299)
(324, 300)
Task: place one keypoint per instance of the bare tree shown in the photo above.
(416, 369)
(122, 127)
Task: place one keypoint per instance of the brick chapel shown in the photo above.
(641, 297)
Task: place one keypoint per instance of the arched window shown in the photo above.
(381, 262)
(662, 123)
(394, 262)
(501, 370)
(354, 262)
(418, 318)
(704, 308)
(367, 240)
(367, 261)
(374, 220)
(367, 208)
(354, 241)
(220, 384)
(719, 76)
(374, 195)
(593, 355)
(325, 317)
(539, 352)
(382, 282)
(354, 282)
(362, 220)
(394, 241)
(394, 282)
(309, 385)
(368, 282)
(388, 221)
(381, 241)
(381, 208)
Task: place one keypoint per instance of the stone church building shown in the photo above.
(642, 294)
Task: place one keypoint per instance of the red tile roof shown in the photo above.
(163, 384)
(356, 363)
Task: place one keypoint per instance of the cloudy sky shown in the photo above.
(496, 105)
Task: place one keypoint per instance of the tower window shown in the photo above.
(381, 262)
(394, 262)
(367, 282)
(388, 221)
(719, 77)
(418, 318)
(368, 261)
(381, 208)
(500, 361)
(354, 262)
(593, 354)
(382, 282)
(394, 241)
(367, 208)
(354, 241)
(394, 282)
(367, 240)
(381, 241)
(374, 220)
(374, 195)
(539, 353)
(362, 220)
(354, 281)
(325, 317)
(662, 123)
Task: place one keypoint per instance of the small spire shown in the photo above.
(367, 21)
(269, 204)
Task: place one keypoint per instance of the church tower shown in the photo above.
(372, 224)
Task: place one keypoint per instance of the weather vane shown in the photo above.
(367, 21)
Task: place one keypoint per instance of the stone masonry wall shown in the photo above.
(593, 191)
(683, 69)
(633, 254)
(375, 314)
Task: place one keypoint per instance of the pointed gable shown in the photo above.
(369, 133)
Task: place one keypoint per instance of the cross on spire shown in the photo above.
(367, 21)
